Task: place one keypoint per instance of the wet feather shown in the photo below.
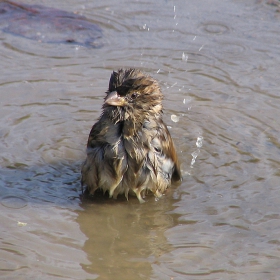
(129, 148)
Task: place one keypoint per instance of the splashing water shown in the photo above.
(194, 156)
(201, 48)
(145, 27)
(198, 144)
(184, 57)
(174, 118)
(199, 141)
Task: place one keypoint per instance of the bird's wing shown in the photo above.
(162, 149)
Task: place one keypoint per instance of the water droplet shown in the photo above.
(199, 141)
(175, 118)
(194, 156)
(184, 57)
(21, 224)
(187, 100)
(201, 48)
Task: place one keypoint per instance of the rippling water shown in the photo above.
(218, 63)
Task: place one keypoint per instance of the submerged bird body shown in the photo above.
(129, 148)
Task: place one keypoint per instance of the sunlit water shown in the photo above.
(218, 63)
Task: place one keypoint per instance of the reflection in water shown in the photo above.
(125, 239)
(48, 25)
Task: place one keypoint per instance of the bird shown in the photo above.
(129, 148)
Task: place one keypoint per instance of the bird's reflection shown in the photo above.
(124, 237)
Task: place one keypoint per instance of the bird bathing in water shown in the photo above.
(129, 149)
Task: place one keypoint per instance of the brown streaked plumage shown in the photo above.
(129, 148)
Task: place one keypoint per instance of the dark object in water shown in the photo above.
(47, 25)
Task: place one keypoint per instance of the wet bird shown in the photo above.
(129, 149)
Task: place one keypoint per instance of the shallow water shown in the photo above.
(218, 64)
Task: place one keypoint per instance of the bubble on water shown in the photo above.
(184, 57)
(199, 141)
(175, 118)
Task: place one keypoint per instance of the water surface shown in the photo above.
(218, 65)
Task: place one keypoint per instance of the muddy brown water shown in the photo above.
(218, 63)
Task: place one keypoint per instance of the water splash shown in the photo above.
(194, 154)
(201, 48)
(175, 118)
(145, 27)
(199, 141)
(187, 102)
(184, 57)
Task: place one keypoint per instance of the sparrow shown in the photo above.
(129, 149)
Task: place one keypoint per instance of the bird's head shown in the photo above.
(132, 95)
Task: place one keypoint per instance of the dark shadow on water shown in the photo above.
(124, 239)
(54, 184)
(48, 25)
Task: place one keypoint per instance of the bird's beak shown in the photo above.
(114, 99)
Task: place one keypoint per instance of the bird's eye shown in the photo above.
(158, 150)
(134, 95)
